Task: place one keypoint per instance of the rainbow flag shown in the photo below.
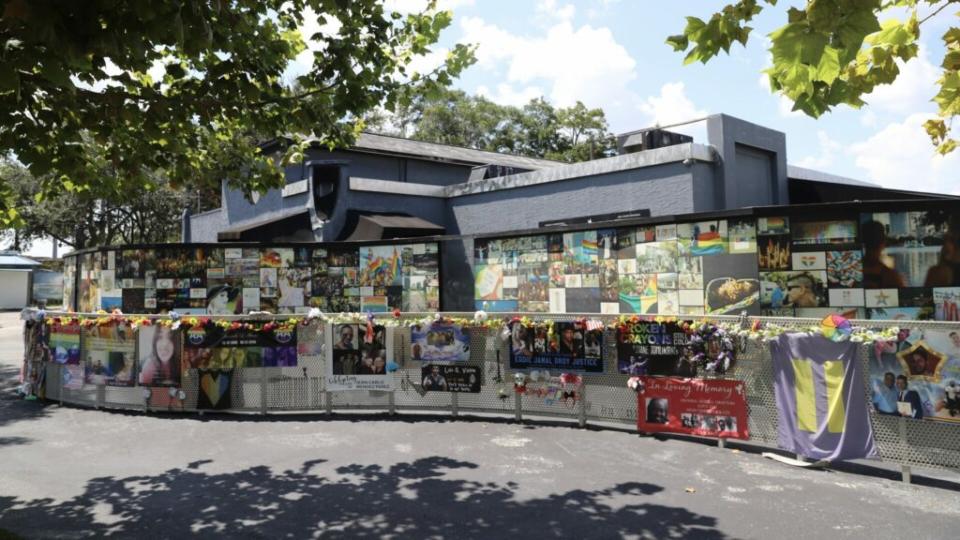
(708, 242)
(394, 264)
(589, 247)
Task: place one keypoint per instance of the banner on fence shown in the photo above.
(310, 348)
(64, 344)
(708, 408)
(356, 361)
(569, 347)
(439, 342)
(821, 405)
(451, 378)
(213, 347)
(72, 375)
(652, 348)
(109, 352)
(158, 356)
(918, 376)
(215, 387)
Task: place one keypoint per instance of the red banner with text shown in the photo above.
(707, 408)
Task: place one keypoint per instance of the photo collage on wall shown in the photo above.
(238, 280)
(357, 359)
(799, 262)
(885, 265)
(686, 269)
(566, 346)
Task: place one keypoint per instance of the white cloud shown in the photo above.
(671, 106)
(428, 62)
(901, 156)
(829, 148)
(303, 63)
(571, 64)
(506, 94)
(911, 91)
(551, 9)
(416, 6)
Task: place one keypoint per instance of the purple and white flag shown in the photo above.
(821, 402)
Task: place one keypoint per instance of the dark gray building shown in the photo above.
(388, 187)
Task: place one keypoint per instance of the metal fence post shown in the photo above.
(583, 407)
(327, 402)
(391, 406)
(905, 475)
(62, 368)
(454, 404)
(263, 391)
(517, 407)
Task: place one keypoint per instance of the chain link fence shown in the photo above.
(605, 397)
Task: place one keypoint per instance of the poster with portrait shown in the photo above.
(72, 377)
(653, 348)
(918, 377)
(569, 346)
(213, 347)
(158, 356)
(905, 249)
(224, 299)
(461, 379)
(356, 361)
(702, 407)
(310, 347)
(109, 352)
(64, 343)
(439, 342)
(792, 289)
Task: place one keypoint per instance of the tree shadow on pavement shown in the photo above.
(406, 500)
(12, 407)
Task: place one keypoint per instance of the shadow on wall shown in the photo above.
(407, 500)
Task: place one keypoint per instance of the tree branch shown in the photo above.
(935, 12)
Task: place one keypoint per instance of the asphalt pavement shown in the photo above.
(68, 472)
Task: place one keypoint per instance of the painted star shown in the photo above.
(882, 298)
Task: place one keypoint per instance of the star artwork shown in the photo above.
(921, 361)
(883, 298)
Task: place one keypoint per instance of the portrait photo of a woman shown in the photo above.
(159, 356)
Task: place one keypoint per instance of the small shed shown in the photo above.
(15, 279)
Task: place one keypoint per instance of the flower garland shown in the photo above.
(765, 332)
(702, 331)
(176, 320)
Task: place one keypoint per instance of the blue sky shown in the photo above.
(611, 54)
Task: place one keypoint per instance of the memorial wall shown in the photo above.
(877, 263)
(237, 279)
